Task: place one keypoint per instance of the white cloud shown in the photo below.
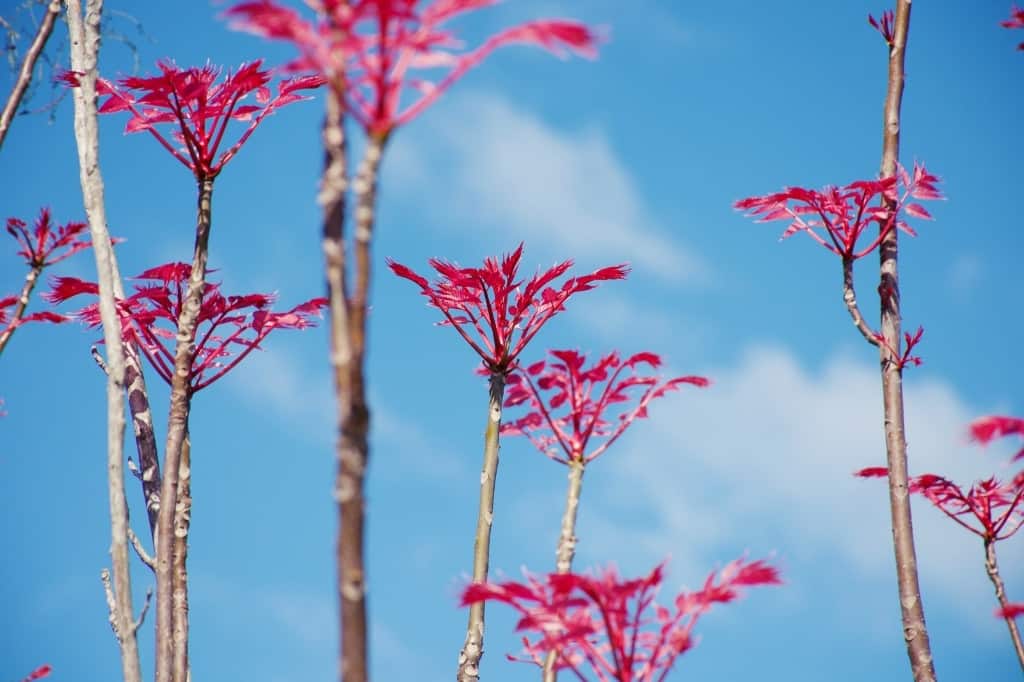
(500, 166)
(964, 275)
(763, 459)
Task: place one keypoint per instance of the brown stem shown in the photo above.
(85, 40)
(171, 592)
(179, 588)
(915, 631)
(473, 648)
(19, 311)
(145, 438)
(347, 342)
(566, 543)
(992, 567)
(850, 299)
(27, 66)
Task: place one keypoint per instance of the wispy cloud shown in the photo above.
(763, 459)
(502, 167)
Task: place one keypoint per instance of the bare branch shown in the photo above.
(140, 550)
(850, 299)
(27, 66)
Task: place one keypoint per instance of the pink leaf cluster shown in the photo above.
(228, 327)
(904, 358)
(377, 50)
(612, 625)
(994, 506)
(1016, 20)
(987, 429)
(885, 26)
(495, 312)
(836, 217)
(45, 243)
(569, 402)
(197, 105)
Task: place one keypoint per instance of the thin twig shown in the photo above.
(19, 312)
(98, 359)
(140, 550)
(992, 568)
(915, 631)
(145, 609)
(27, 66)
(850, 299)
(85, 40)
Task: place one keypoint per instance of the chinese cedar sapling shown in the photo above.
(43, 245)
(990, 509)
(576, 413)
(374, 55)
(573, 421)
(195, 106)
(611, 625)
(837, 218)
(497, 314)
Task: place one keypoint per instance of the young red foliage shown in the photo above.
(1016, 20)
(905, 358)
(492, 302)
(228, 327)
(995, 506)
(198, 105)
(612, 625)
(885, 26)
(586, 394)
(39, 673)
(844, 212)
(375, 48)
(1012, 610)
(46, 244)
(987, 429)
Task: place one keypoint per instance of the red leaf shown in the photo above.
(493, 311)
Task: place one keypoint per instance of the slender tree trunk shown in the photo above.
(179, 571)
(915, 631)
(27, 66)
(992, 567)
(353, 414)
(171, 592)
(85, 41)
(566, 543)
(31, 279)
(473, 648)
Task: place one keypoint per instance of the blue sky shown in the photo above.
(636, 157)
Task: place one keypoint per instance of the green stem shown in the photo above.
(473, 648)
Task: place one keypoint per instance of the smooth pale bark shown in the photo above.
(915, 632)
(85, 41)
(473, 648)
